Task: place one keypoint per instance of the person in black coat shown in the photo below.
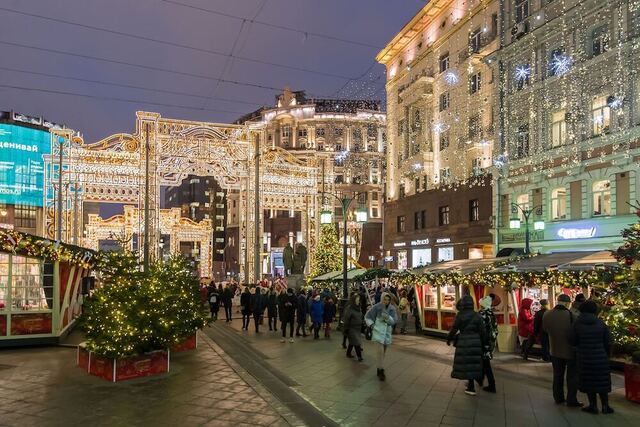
(301, 314)
(352, 326)
(592, 341)
(245, 303)
(287, 304)
(468, 337)
(258, 305)
(227, 301)
(539, 333)
(214, 300)
(272, 309)
(328, 316)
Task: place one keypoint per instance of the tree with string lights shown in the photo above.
(328, 254)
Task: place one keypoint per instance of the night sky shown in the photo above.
(199, 41)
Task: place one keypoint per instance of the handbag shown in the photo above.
(368, 333)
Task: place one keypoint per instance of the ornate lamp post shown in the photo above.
(514, 222)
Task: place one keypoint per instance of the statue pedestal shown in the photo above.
(295, 281)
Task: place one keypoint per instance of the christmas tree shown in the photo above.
(328, 254)
(620, 293)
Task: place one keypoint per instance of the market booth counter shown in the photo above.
(40, 288)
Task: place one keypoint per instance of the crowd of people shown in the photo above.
(570, 335)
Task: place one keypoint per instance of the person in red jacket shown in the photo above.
(525, 327)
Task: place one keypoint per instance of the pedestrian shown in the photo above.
(214, 300)
(468, 337)
(328, 316)
(592, 341)
(378, 295)
(272, 309)
(317, 315)
(491, 335)
(301, 314)
(525, 327)
(258, 305)
(227, 301)
(538, 333)
(352, 325)
(575, 307)
(245, 303)
(404, 309)
(381, 318)
(558, 323)
(287, 304)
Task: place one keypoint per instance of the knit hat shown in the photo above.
(486, 302)
(564, 298)
(544, 302)
(589, 307)
(580, 298)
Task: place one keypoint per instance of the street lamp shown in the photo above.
(514, 223)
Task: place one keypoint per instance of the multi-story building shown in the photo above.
(347, 139)
(202, 198)
(24, 140)
(567, 103)
(440, 117)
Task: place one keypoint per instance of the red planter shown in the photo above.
(632, 381)
(153, 363)
(188, 344)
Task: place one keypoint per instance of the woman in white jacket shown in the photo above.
(381, 318)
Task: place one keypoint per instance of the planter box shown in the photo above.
(632, 381)
(190, 343)
(153, 363)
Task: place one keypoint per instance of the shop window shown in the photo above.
(601, 198)
(444, 62)
(474, 210)
(25, 215)
(559, 203)
(475, 82)
(31, 284)
(601, 115)
(445, 253)
(600, 40)
(522, 10)
(448, 296)
(444, 101)
(430, 296)
(4, 281)
(558, 128)
(400, 224)
(443, 215)
(420, 257)
(402, 260)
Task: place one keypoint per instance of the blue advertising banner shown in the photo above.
(21, 164)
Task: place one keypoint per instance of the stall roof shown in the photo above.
(547, 261)
(464, 266)
(326, 276)
(589, 261)
(337, 275)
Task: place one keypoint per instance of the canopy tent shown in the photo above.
(326, 277)
(590, 261)
(544, 262)
(463, 266)
(336, 276)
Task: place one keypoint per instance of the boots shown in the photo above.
(606, 409)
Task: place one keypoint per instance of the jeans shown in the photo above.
(257, 318)
(246, 318)
(283, 326)
(227, 312)
(560, 368)
(275, 323)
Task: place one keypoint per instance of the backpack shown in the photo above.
(213, 299)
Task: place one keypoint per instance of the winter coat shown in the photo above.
(317, 311)
(490, 332)
(258, 303)
(352, 325)
(227, 297)
(404, 306)
(302, 309)
(537, 322)
(245, 303)
(287, 305)
(558, 323)
(329, 312)
(525, 318)
(592, 341)
(272, 305)
(215, 296)
(468, 335)
(381, 319)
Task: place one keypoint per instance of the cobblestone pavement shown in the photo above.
(419, 390)
(43, 387)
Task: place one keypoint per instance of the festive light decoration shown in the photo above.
(451, 78)
(561, 64)
(523, 72)
(328, 254)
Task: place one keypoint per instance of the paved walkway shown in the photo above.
(43, 387)
(418, 390)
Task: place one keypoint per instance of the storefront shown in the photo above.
(40, 288)
(426, 251)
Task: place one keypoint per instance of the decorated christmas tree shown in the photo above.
(620, 293)
(328, 254)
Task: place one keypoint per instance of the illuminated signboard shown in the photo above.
(419, 242)
(21, 164)
(576, 233)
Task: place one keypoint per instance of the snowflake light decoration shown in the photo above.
(616, 102)
(523, 72)
(561, 64)
(451, 78)
(438, 128)
(342, 155)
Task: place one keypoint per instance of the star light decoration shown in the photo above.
(342, 155)
(561, 64)
(523, 72)
(451, 78)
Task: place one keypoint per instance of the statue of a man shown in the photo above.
(299, 259)
(287, 259)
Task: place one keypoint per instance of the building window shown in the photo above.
(522, 10)
(400, 127)
(444, 62)
(417, 119)
(302, 133)
(601, 198)
(443, 215)
(559, 63)
(286, 131)
(423, 218)
(522, 141)
(601, 115)
(319, 132)
(401, 190)
(474, 210)
(25, 215)
(417, 184)
(400, 224)
(559, 203)
(444, 101)
(475, 40)
(417, 225)
(523, 201)
(600, 40)
(374, 212)
(558, 128)
(445, 175)
(444, 140)
(475, 82)
(522, 76)
(474, 127)
(372, 131)
(476, 166)
(338, 132)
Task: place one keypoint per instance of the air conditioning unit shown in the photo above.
(519, 30)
